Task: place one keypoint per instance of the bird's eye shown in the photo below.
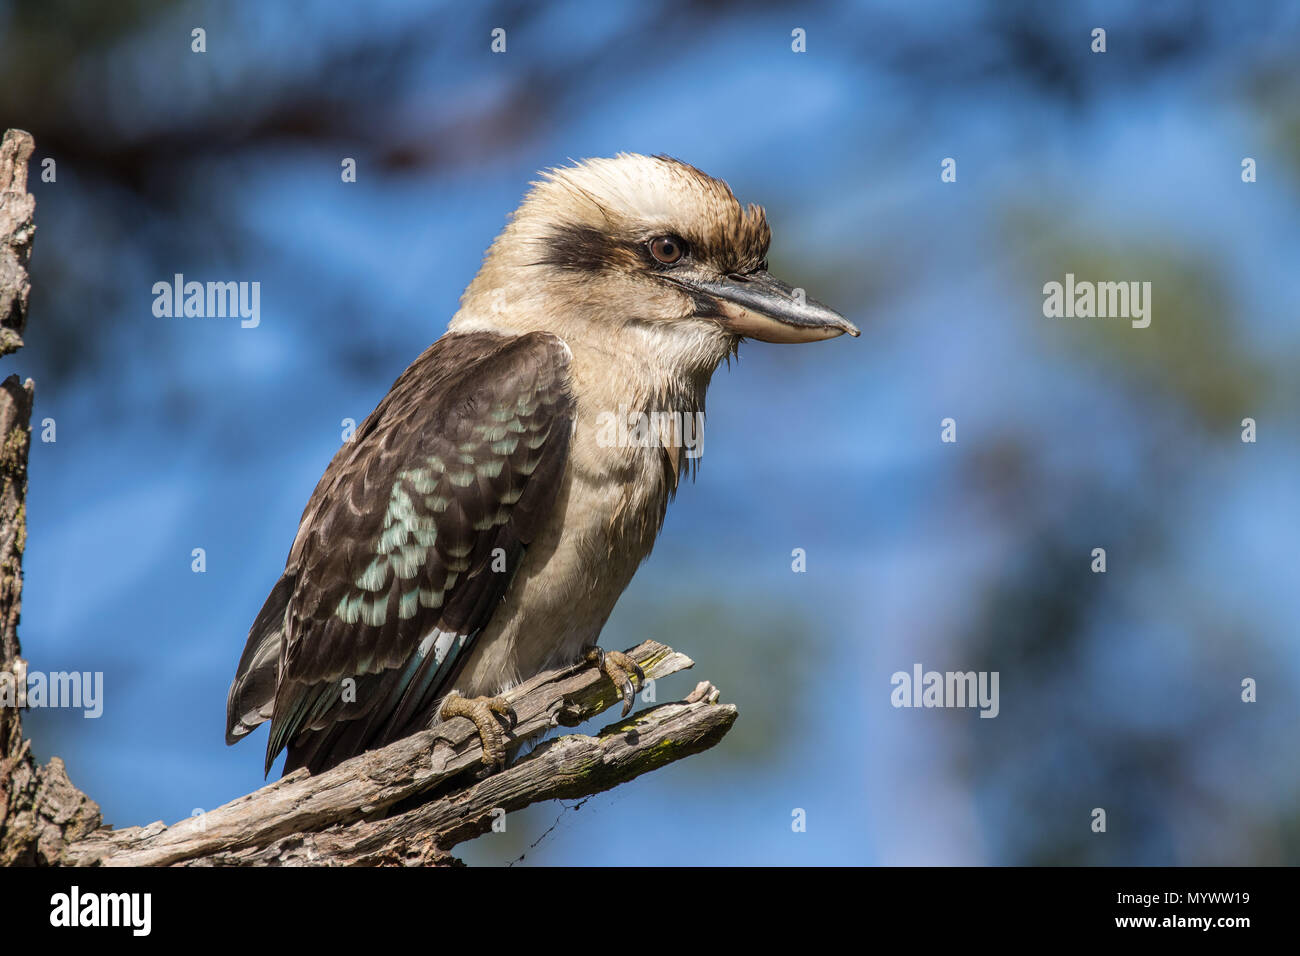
(667, 249)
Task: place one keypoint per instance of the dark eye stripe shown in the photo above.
(584, 249)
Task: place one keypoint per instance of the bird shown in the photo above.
(481, 523)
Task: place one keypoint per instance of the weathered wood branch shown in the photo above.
(411, 802)
(408, 803)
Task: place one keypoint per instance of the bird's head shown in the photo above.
(641, 241)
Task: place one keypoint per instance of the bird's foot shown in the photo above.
(482, 712)
(619, 668)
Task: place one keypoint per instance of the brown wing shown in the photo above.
(392, 572)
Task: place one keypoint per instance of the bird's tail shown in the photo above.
(252, 693)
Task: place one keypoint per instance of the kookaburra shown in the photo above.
(480, 525)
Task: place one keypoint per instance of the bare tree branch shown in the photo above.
(414, 800)
(408, 803)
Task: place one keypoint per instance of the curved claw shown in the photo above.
(616, 666)
(498, 705)
(627, 692)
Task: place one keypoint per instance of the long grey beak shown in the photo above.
(759, 306)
